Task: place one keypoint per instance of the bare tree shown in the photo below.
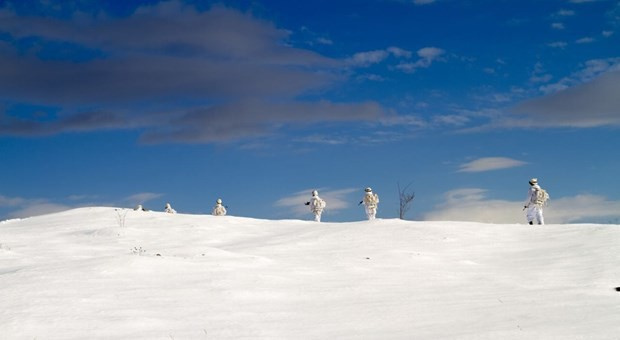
(405, 199)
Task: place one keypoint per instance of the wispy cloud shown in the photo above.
(472, 204)
(558, 44)
(584, 40)
(540, 75)
(490, 163)
(368, 58)
(427, 56)
(423, 2)
(142, 198)
(557, 26)
(11, 201)
(565, 12)
(363, 59)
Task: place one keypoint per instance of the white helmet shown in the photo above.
(315, 193)
(533, 181)
(369, 189)
(219, 201)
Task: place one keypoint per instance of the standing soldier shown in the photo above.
(370, 200)
(317, 205)
(536, 198)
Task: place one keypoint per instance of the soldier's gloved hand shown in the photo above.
(307, 203)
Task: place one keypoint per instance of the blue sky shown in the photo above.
(260, 102)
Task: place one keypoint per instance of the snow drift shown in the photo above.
(105, 273)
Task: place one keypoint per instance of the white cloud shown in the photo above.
(399, 52)
(607, 34)
(565, 12)
(324, 41)
(451, 120)
(371, 77)
(403, 120)
(471, 204)
(558, 44)
(584, 40)
(11, 201)
(321, 139)
(423, 2)
(540, 75)
(430, 53)
(427, 56)
(490, 163)
(557, 26)
(143, 197)
(543, 78)
(364, 59)
(335, 199)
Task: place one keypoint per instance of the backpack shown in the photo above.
(318, 204)
(541, 196)
(371, 200)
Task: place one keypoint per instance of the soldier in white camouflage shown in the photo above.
(536, 199)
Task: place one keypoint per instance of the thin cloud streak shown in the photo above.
(489, 164)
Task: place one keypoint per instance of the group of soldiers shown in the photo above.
(218, 210)
(316, 203)
(536, 199)
(533, 204)
(370, 201)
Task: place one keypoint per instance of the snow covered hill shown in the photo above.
(105, 273)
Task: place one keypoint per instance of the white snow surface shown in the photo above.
(111, 273)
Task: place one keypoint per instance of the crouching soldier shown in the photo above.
(219, 209)
(168, 209)
(317, 205)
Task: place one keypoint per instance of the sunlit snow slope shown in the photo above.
(105, 273)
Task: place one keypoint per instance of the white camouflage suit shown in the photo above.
(371, 200)
(316, 205)
(219, 209)
(168, 209)
(534, 210)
